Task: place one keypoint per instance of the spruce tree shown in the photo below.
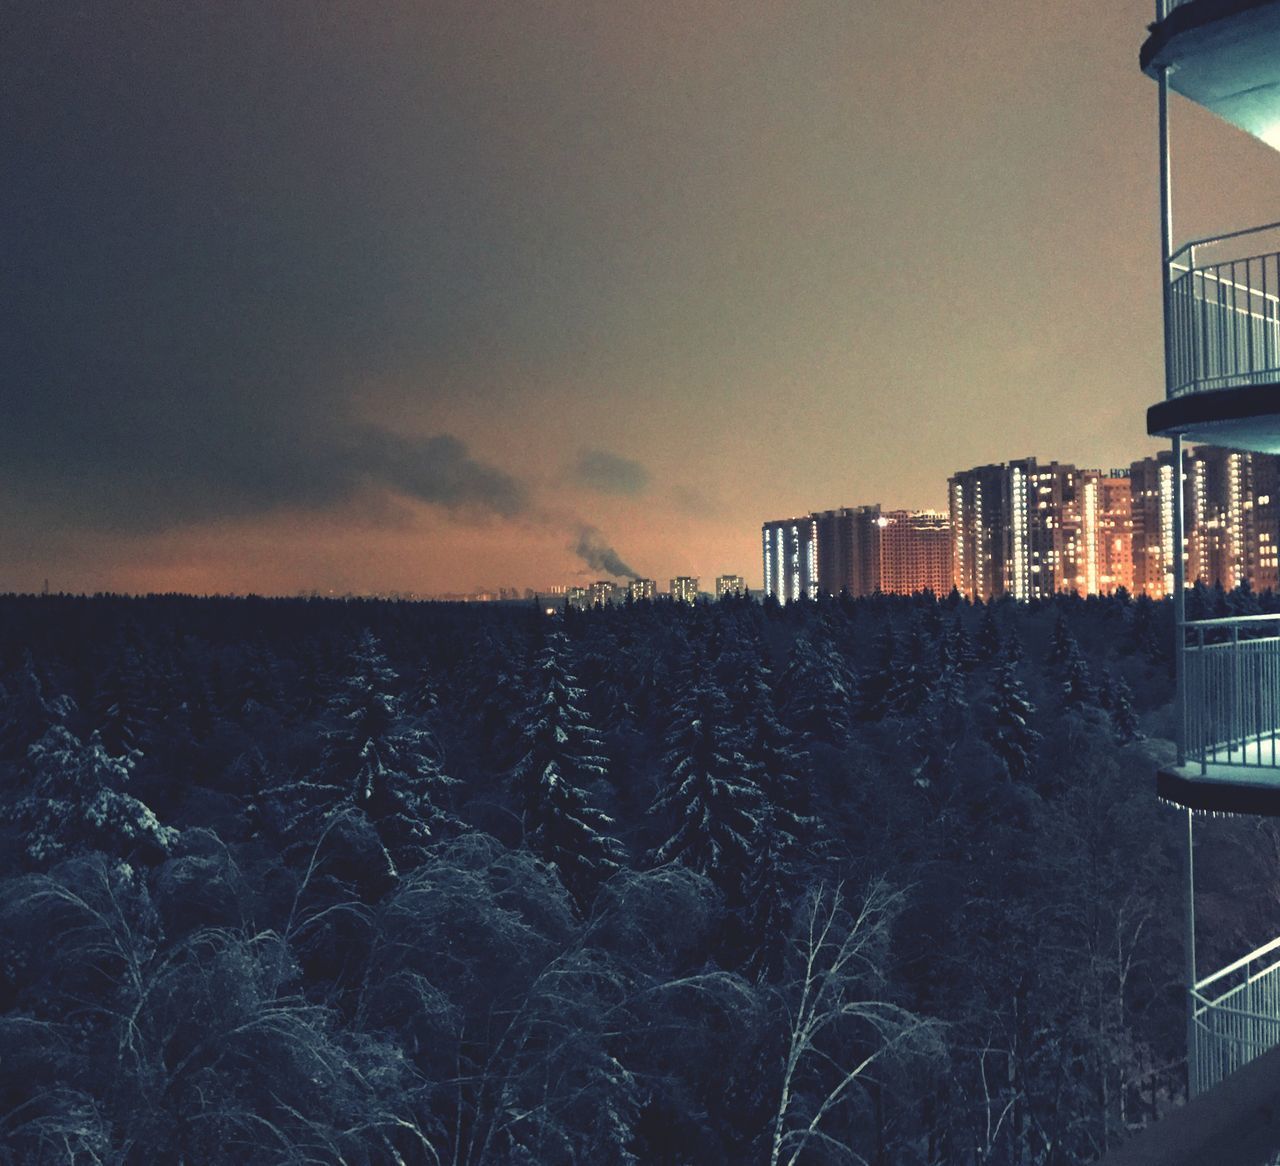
(376, 761)
(709, 802)
(79, 803)
(1010, 734)
(818, 689)
(562, 755)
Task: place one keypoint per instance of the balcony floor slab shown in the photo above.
(1225, 787)
(1240, 418)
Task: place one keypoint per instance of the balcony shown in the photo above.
(1231, 720)
(1235, 1017)
(1225, 56)
(1223, 342)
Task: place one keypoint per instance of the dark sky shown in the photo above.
(424, 295)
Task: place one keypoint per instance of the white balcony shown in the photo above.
(1223, 342)
(1230, 721)
(1235, 1016)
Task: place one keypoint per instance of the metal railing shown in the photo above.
(1232, 678)
(1224, 317)
(1235, 1016)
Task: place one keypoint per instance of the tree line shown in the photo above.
(879, 880)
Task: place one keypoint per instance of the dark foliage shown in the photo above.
(717, 883)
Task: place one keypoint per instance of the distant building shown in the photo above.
(1025, 529)
(1115, 532)
(849, 550)
(730, 585)
(1151, 494)
(915, 552)
(601, 593)
(790, 551)
(978, 501)
(684, 589)
(576, 597)
(642, 588)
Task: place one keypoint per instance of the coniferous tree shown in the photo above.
(123, 702)
(876, 683)
(79, 803)
(1076, 689)
(818, 689)
(987, 647)
(1115, 696)
(26, 712)
(563, 754)
(375, 761)
(1010, 734)
(916, 675)
(709, 800)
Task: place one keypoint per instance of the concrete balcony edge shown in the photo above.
(1247, 417)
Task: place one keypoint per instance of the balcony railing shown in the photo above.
(1224, 316)
(1232, 677)
(1235, 1016)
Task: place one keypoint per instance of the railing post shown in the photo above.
(1193, 1059)
(1237, 695)
(1203, 684)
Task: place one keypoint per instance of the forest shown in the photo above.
(877, 881)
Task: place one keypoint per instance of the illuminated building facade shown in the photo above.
(977, 501)
(1030, 530)
(789, 547)
(1231, 508)
(684, 588)
(1115, 532)
(915, 552)
(602, 592)
(730, 585)
(642, 588)
(1151, 502)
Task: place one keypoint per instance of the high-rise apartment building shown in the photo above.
(684, 589)
(1151, 492)
(602, 592)
(1231, 508)
(730, 585)
(642, 588)
(849, 550)
(1115, 532)
(789, 548)
(978, 501)
(1030, 530)
(915, 552)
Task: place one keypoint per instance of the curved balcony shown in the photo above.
(1222, 365)
(1231, 720)
(1235, 1016)
(1223, 55)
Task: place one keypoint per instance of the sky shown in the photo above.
(433, 296)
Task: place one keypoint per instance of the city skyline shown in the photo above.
(419, 297)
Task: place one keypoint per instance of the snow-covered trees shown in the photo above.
(563, 756)
(818, 689)
(78, 802)
(1009, 732)
(375, 760)
(840, 1026)
(708, 804)
(268, 984)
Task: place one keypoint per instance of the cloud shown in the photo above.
(598, 554)
(440, 470)
(609, 473)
